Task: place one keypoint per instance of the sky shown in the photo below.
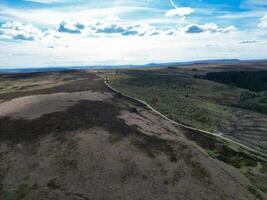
(41, 33)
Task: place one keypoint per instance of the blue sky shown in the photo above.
(37, 33)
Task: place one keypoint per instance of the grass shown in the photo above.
(198, 103)
(198, 170)
(188, 100)
(201, 104)
(221, 150)
(70, 164)
(256, 193)
(258, 177)
(17, 194)
(153, 146)
(234, 158)
(52, 184)
(255, 101)
(176, 97)
(129, 170)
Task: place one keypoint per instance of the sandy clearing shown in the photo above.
(32, 107)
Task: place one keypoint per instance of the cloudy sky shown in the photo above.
(37, 33)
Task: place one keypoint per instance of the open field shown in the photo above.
(76, 139)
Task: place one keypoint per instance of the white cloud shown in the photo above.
(125, 29)
(182, 11)
(179, 11)
(72, 49)
(249, 41)
(263, 22)
(105, 28)
(18, 31)
(211, 28)
(122, 35)
(72, 28)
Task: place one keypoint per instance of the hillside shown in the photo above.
(198, 103)
(65, 135)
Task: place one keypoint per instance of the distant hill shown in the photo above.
(171, 64)
(29, 70)
(195, 62)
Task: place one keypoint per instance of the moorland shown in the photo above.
(66, 135)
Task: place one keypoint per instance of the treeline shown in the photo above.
(253, 101)
(251, 80)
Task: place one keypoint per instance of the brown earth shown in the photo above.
(98, 147)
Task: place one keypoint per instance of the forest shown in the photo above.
(251, 80)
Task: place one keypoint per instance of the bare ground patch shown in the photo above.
(149, 124)
(32, 107)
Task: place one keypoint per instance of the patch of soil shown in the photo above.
(150, 124)
(83, 115)
(146, 125)
(32, 107)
